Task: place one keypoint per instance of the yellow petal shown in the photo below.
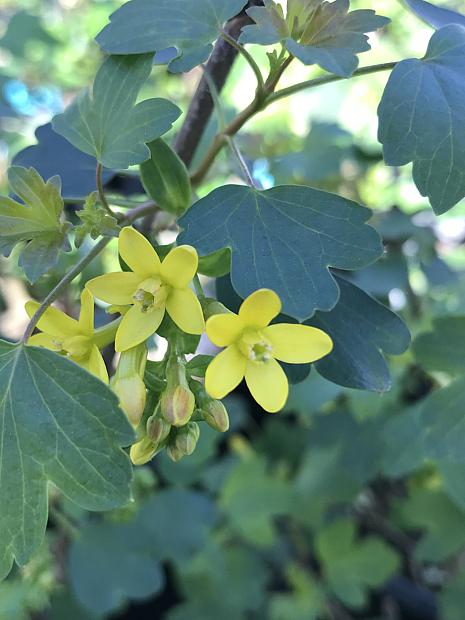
(136, 326)
(224, 329)
(185, 310)
(95, 365)
(86, 316)
(267, 384)
(54, 322)
(298, 344)
(115, 288)
(138, 253)
(180, 266)
(260, 308)
(225, 372)
(44, 340)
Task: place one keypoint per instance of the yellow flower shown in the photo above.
(253, 346)
(76, 339)
(151, 287)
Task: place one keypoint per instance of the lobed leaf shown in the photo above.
(190, 26)
(58, 424)
(422, 118)
(285, 239)
(322, 33)
(107, 123)
(35, 221)
(362, 330)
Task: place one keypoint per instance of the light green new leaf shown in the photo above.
(422, 118)
(153, 25)
(106, 122)
(351, 567)
(284, 238)
(35, 221)
(60, 424)
(316, 32)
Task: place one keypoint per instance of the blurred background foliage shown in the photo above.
(337, 507)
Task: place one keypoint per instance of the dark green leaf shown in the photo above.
(54, 155)
(109, 564)
(59, 424)
(37, 221)
(436, 16)
(326, 35)
(350, 566)
(451, 598)
(284, 239)
(442, 349)
(422, 118)
(361, 329)
(166, 179)
(153, 25)
(107, 123)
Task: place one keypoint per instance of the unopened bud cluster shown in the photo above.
(172, 424)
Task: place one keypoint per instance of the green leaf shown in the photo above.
(451, 598)
(109, 564)
(442, 349)
(444, 423)
(22, 29)
(95, 222)
(215, 265)
(285, 239)
(251, 507)
(306, 601)
(153, 25)
(197, 366)
(422, 118)
(228, 582)
(59, 424)
(361, 329)
(351, 567)
(443, 522)
(436, 16)
(106, 122)
(166, 179)
(37, 221)
(325, 34)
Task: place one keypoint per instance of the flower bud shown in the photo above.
(187, 437)
(157, 429)
(215, 415)
(142, 451)
(212, 306)
(212, 411)
(128, 384)
(173, 452)
(177, 405)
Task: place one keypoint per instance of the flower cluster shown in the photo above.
(166, 402)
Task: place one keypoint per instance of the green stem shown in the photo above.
(133, 215)
(198, 287)
(257, 106)
(327, 79)
(249, 58)
(101, 191)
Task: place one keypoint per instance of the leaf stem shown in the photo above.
(133, 215)
(258, 105)
(250, 59)
(101, 191)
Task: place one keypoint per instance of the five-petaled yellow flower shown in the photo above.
(151, 287)
(76, 339)
(253, 346)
